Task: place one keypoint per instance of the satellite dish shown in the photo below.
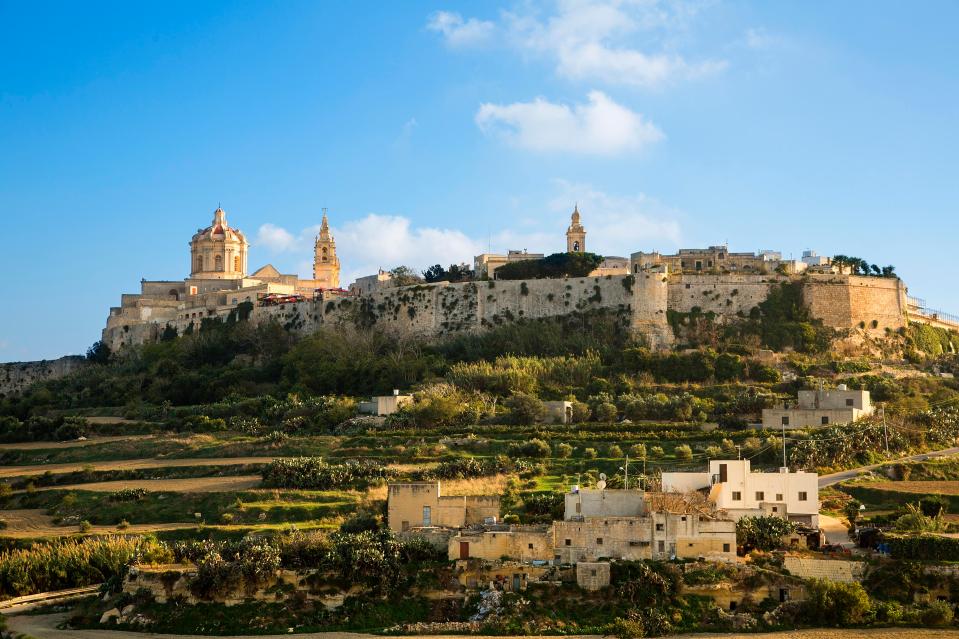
(601, 484)
(602, 476)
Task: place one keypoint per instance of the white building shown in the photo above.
(382, 405)
(733, 487)
(817, 408)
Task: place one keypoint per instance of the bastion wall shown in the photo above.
(640, 301)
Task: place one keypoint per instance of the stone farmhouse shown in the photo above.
(640, 290)
(818, 408)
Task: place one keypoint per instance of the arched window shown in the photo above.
(218, 263)
(575, 246)
(324, 254)
(236, 263)
(199, 263)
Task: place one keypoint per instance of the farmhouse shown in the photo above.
(738, 491)
(818, 408)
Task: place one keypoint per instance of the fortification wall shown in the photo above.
(727, 295)
(15, 377)
(850, 301)
(432, 310)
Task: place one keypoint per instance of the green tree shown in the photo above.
(564, 451)
(638, 451)
(762, 533)
(683, 452)
(606, 412)
(525, 409)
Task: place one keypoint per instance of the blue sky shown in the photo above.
(432, 130)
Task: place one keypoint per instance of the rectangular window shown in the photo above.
(802, 496)
(737, 496)
(723, 473)
(785, 421)
(427, 516)
(849, 402)
(760, 495)
(779, 496)
(569, 542)
(530, 546)
(659, 526)
(725, 547)
(662, 546)
(599, 541)
(579, 507)
(825, 419)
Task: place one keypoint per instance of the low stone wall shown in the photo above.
(172, 582)
(832, 569)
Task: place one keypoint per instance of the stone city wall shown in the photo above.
(640, 300)
(17, 376)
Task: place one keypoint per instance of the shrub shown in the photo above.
(606, 412)
(638, 451)
(525, 409)
(657, 452)
(590, 453)
(313, 472)
(564, 451)
(615, 452)
(535, 447)
(555, 265)
(835, 603)
(938, 613)
(581, 412)
(626, 628)
(683, 452)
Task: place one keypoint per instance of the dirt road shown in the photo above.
(30, 523)
(184, 485)
(130, 464)
(836, 531)
(835, 478)
(92, 441)
(44, 627)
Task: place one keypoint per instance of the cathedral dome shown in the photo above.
(218, 251)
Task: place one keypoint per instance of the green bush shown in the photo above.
(683, 452)
(564, 451)
(833, 603)
(923, 547)
(762, 533)
(314, 473)
(606, 412)
(535, 448)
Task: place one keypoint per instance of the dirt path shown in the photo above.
(92, 441)
(836, 531)
(44, 627)
(130, 464)
(185, 485)
(26, 524)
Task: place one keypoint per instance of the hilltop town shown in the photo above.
(644, 290)
(537, 443)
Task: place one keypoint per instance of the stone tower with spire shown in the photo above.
(326, 265)
(575, 234)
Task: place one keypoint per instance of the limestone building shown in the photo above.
(818, 408)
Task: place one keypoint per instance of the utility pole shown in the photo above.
(784, 445)
(885, 433)
(739, 452)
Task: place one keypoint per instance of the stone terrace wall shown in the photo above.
(16, 376)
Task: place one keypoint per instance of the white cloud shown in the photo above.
(458, 32)
(615, 225)
(600, 127)
(618, 42)
(275, 238)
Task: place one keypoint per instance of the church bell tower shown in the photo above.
(575, 234)
(326, 265)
